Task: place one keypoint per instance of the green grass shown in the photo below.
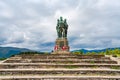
(71, 67)
(118, 55)
(115, 67)
(92, 62)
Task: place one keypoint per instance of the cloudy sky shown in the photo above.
(93, 24)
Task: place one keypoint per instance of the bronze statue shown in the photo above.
(61, 43)
(62, 28)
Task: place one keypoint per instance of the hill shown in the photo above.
(96, 51)
(9, 51)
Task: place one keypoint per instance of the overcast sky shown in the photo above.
(93, 24)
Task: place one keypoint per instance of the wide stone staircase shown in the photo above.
(59, 67)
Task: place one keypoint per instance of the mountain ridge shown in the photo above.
(6, 52)
(94, 50)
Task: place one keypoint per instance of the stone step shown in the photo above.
(60, 61)
(79, 72)
(60, 78)
(58, 55)
(102, 59)
(48, 65)
(64, 58)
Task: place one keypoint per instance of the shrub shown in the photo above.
(76, 53)
(114, 55)
(2, 59)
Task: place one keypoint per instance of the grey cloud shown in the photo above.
(31, 23)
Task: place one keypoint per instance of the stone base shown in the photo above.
(61, 45)
(61, 52)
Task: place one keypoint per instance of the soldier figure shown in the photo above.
(61, 28)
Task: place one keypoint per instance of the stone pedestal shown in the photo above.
(61, 46)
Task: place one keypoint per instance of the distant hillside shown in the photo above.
(8, 51)
(97, 51)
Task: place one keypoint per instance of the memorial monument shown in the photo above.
(61, 44)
